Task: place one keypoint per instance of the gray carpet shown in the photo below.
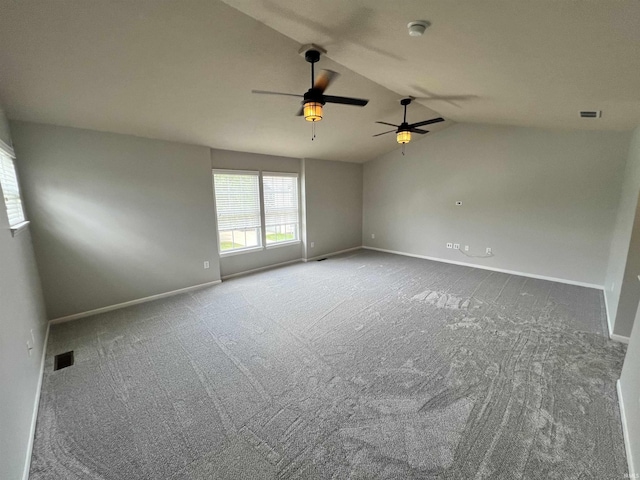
(363, 366)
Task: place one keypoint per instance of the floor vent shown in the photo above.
(591, 114)
(63, 360)
(321, 259)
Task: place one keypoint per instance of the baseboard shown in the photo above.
(331, 254)
(117, 306)
(260, 269)
(612, 336)
(483, 267)
(36, 405)
(625, 432)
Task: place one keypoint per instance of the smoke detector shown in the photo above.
(417, 28)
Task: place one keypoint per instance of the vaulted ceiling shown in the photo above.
(183, 70)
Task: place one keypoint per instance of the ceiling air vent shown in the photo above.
(591, 114)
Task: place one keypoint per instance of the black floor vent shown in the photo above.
(321, 259)
(63, 360)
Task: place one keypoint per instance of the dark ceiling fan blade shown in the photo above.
(417, 130)
(324, 79)
(427, 122)
(383, 133)
(265, 92)
(390, 124)
(358, 102)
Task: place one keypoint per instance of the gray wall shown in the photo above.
(333, 206)
(115, 217)
(622, 289)
(237, 263)
(544, 201)
(21, 311)
(630, 389)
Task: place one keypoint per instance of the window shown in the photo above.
(10, 188)
(238, 210)
(280, 207)
(256, 209)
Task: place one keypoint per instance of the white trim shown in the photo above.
(117, 306)
(225, 171)
(493, 269)
(7, 149)
(239, 251)
(36, 405)
(288, 243)
(625, 432)
(332, 254)
(268, 267)
(280, 174)
(612, 336)
(619, 338)
(18, 227)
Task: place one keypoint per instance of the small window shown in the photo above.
(10, 188)
(238, 210)
(281, 207)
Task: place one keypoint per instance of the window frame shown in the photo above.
(263, 234)
(8, 152)
(299, 233)
(237, 251)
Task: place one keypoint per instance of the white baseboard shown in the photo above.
(612, 336)
(36, 405)
(117, 306)
(331, 254)
(625, 433)
(254, 270)
(483, 267)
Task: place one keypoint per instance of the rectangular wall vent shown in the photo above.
(63, 360)
(591, 114)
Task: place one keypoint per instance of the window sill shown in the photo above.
(283, 244)
(231, 253)
(16, 229)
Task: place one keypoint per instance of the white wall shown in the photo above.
(237, 263)
(544, 201)
(622, 289)
(333, 206)
(115, 217)
(21, 311)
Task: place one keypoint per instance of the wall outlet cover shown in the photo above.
(458, 203)
(206, 265)
(313, 244)
(489, 251)
(373, 235)
(456, 246)
(466, 248)
(449, 245)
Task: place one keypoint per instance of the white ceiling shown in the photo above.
(183, 70)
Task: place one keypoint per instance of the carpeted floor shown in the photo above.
(363, 366)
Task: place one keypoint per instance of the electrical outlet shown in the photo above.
(313, 244)
(489, 252)
(373, 235)
(449, 245)
(466, 248)
(456, 246)
(206, 265)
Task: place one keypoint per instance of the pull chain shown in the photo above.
(313, 131)
(403, 148)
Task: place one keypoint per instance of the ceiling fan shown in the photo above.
(404, 130)
(314, 99)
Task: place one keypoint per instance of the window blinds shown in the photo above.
(237, 200)
(280, 199)
(11, 190)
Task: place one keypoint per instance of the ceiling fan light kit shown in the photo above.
(314, 99)
(404, 130)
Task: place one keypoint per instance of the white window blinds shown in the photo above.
(237, 200)
(11, 190)
(281, 206)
